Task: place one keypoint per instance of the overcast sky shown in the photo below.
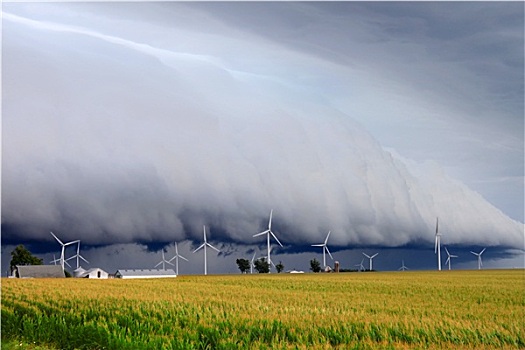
(131, 125)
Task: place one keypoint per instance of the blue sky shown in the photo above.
(131, 125)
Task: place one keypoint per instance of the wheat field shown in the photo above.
(396, 310)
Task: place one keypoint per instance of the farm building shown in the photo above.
(145, 273)
(91, 273)
(38, 271)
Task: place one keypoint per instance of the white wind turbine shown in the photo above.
(325, 249)
(480, 264)
(361, 266)
(437, 246)
(78, 256)
(269, 232)
(371, 257)
(403, 267)
(449, 259)
(163, 261)
(204, 246)
(176, 257)
(64, 245)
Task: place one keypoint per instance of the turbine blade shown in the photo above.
(317, 245)
(212, 247)
(366, 255)
(482, 251)
(81, 257)
(204, 227)
(59, 241)
(262, 233)
(328, 235)
(65, 262)
(158, 264)
(373, 256)
(276, 238)
(183, 258)
(437, 223)
(325, 247)
(447, 251)
(167, 262)
(202, 245)
(473, 253)
(72, 242)
(270, 222)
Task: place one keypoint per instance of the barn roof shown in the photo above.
(40, 271)
(145, 272)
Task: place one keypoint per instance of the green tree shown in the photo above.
(261, 265)
(279, 267)
(21, 256)
(315, 265)
(244, 265)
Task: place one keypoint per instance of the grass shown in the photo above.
(426, 310)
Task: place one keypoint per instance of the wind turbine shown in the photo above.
(269, 232)
(403, 267)
(371, 257)
(163, 261)
(479, 258)
(78, 256)
(325, 249)
(204, 245)
(176, 257)
(361, 266)
(252, 265)
(449, 259)
(437, 245)
(62, 259)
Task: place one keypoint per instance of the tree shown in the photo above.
(279, 267)
(262, 266)
(244, 265)
(315, 265)
(21, 256)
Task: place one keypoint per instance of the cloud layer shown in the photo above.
(145, 131)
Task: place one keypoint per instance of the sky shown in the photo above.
(132, 125)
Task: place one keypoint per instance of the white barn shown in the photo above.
(145, 273)
(94, 272)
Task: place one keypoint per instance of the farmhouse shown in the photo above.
(145, 273)
(38, 271)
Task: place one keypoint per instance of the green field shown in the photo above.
(396, 310)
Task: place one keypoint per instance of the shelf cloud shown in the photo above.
(146, 130)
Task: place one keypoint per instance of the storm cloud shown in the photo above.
(130, 122)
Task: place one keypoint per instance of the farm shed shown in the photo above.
(91, 273)
(145, 273)
(38, 271)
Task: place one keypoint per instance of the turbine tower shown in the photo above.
(437, 246)
(252, 265)
(269, 232)
(325, 249)
(480, 264)
(449, 259)
(78, 256)
(64, 245)
(403, 267)
(163, 261)
(371, 257)
(176, 257)
(204, 246)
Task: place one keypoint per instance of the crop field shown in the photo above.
(396, 310)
